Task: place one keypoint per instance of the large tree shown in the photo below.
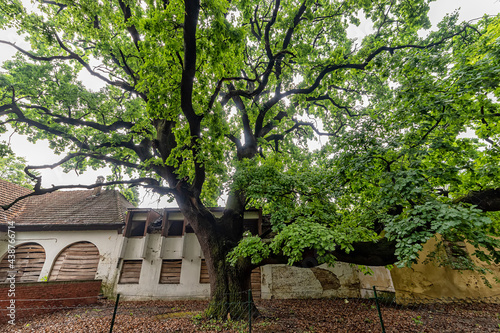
(211, 98)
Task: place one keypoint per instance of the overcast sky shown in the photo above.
(40, 153)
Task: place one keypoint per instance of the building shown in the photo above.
(145, 253)
(98, 234)
(64, 235)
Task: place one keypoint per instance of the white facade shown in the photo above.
(150, 250)
(108, 242)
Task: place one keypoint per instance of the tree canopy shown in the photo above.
(12, 167)
(356, 146)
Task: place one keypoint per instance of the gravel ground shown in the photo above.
(332, 315)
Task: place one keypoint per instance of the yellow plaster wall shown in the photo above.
(428, 281)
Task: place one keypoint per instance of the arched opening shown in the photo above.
(28, 262)
(78, 261)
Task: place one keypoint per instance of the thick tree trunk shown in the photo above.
(229, 285)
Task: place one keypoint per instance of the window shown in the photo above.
(136, 224)
(204, 272)
(171, 271)
(175, 228)
(251, 225)
(131, 271)
(136, 228)
(79, 261)
(188, 229)
(29, 260)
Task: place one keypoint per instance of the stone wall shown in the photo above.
(285, 282)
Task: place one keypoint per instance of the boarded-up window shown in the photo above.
(29, 260)
(204, 272)
(131, 271)
(171, 271)
(255, 282)
(78, 261)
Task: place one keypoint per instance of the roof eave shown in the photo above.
(64, 227)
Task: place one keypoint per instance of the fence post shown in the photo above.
(378, 309)
(114, 313)
(250, 310)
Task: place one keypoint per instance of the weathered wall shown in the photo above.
(430, 281)
(152, 250)
(283, 282)
(44, 297)
(108, 242)
(380, 278)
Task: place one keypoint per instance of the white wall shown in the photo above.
(278, 281)
(152, 250)
(3, 243)
(108, 242)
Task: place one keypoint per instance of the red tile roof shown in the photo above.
(8, 193)
(68, 208)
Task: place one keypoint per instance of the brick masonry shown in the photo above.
(44, 297)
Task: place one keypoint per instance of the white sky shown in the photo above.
(40, 153)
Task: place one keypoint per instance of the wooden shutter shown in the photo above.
(78, 261)
(131, 271)
(255, 282)
(171, 271)
(204, 272)
(30, 258)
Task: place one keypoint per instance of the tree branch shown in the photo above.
(35, 57)
(127, 14)
(328, 98)
(487, 200)
(91, 155)
(359, 66)
(247, 131)
(267, 29)
(21, 118)
(146, 182)
(192, 8)
(76, 122)
(119, 84)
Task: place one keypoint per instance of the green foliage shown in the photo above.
(249, 247)
(342, 141)
(131, 194)
(12, 167)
